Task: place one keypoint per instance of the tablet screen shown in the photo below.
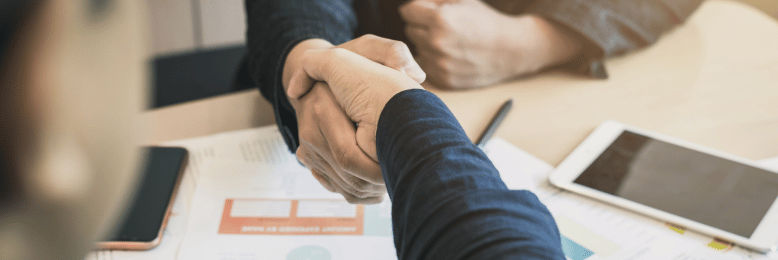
(701, 187)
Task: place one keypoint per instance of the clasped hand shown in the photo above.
(338, 94)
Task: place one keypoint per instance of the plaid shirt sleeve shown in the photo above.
(613, 27)
(274, 28)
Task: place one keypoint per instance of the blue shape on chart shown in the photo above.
(575, 251)
(376, 223)
(309, 253)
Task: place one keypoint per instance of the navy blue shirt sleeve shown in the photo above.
(274, 28)
(448, 199)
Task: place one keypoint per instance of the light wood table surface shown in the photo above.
(713, 81)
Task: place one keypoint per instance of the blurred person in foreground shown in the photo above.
(72, 85)
(458, 44)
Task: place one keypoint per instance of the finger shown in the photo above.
(450, 72)
(350, 181)
(438, 75)
(369, 200)
(340, 134)
(424, 41)
(417, 34)
(346, 180)
(303, 155)
(300, 84)
(421, 13)
(390, 53)
(342, 182)
(318, 166)
(345, 188)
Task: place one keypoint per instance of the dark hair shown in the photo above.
(12, 14)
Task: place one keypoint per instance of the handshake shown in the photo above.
(338, 93)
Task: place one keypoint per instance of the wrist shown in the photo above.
(552, 44)
(387, 95)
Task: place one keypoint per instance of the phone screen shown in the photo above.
(708, 189)
(147, 209)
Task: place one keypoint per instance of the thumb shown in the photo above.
(366, 140)
(300, 84)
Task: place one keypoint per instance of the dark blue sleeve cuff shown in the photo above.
(274, 28)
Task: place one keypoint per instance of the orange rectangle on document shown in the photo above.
(291, 217)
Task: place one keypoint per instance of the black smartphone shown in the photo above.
(150, 207)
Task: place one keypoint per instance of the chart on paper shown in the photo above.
(304, 217)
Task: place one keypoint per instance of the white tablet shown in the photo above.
(714, 193)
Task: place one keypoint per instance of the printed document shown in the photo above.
(244, 196)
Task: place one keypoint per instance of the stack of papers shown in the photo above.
(244, 196)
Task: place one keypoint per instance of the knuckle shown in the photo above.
(352, 192)
(356, 187)
(337, 53)
(306, 135)
(300, 154)
(436, 43)
(443, 79)
(440, 20)
(368, 37)
(345, 158)
(398, 47)
(399, 54)
(351, 199)
(444, 65)
(363, 187)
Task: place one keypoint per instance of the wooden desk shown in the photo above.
(713, 81)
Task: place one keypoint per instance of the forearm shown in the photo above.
(448, 199)
(551, 44)
(275, 27)
(616, 27)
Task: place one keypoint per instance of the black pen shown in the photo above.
(495, 123)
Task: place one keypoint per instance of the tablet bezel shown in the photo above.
(574, 165)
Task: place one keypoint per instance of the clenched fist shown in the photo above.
(467, 43)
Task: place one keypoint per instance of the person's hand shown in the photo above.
(361, 87)
(466, 43)
(327, 136)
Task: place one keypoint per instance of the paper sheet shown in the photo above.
(265, 205)
(252, 211)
